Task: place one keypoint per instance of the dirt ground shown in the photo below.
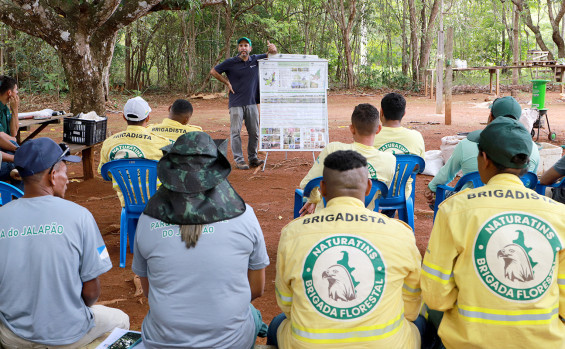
(271, 192)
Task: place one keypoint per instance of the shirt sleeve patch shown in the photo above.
(103, 252)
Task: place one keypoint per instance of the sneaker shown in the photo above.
(256, 162)
(241, 166)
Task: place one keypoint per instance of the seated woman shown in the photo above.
(200, 253)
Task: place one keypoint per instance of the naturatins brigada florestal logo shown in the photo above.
(395, 148)
(514, 255)
(125, 151)
(372, 171)
(344, 277)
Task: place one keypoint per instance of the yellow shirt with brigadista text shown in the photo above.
(381, 165)
(134, 142)
(348, 276)
(172, 129)
(495, 265)
(401, 140)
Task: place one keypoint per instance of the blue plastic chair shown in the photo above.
(407, 166)
(301, 195)
(8, 192)
(529, 179)
(540, 188)
(442, 189)
(137, 179)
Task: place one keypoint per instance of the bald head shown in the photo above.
(345, 174)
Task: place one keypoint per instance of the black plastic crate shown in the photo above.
(81, 131)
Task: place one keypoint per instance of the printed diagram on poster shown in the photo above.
(294, 109)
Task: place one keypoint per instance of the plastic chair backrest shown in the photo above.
(530, 180)
(540, 188)
(377, 186)
(407, 165)
(137, 179)
(472, 177)
(8, 192)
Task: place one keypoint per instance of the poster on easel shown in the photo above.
(294, 103)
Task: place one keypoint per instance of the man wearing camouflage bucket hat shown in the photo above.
(200, 250)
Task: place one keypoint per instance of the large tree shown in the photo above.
(84, 32)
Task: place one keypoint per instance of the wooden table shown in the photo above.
(25, 125)
(85, 150)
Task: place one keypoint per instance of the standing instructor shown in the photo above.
(243, 84)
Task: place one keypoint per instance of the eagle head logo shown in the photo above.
(518, 265)
(340, 284)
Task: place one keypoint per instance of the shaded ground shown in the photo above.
(270, 193)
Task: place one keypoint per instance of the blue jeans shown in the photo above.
(273, 327)
(260, 326)
(250, 115)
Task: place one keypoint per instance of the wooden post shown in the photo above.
(425, 82)
(497, 82)
(432, 86)
(439, 64)
(490, 71)
(448, 74)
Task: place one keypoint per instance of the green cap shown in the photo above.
(244, 38)
(506, 106)
(503, 139)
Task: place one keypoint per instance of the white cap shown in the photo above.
(136, 109)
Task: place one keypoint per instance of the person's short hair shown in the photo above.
(365, 119)
(394, 106)
(7, 83)
(181, 106)
(345, 160)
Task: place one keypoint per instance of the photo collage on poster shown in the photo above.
(270, 138)
(313, 138)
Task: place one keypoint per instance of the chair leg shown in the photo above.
(123, 238)
(132, 226)
(410, 213)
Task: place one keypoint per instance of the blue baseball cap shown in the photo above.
(37, 155)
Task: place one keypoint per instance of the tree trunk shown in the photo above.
(427, 38)
(516, 44)
(127, 62)
(524, 8)
(405, 51)
(413, 40)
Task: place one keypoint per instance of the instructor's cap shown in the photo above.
(40, 154)
(244, 38)
(136, 109)
(503, 139)
(506, 106)
(195, 189)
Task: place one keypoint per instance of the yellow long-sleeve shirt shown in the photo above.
(495, 265)
(401, 140)
(381, 165)
(134, 142)
(172, 129)
(348, 275)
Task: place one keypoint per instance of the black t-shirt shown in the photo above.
(244, 79)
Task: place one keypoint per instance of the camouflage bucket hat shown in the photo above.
(195, 189)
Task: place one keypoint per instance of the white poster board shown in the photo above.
(294, 103)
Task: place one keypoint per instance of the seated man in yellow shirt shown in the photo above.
(495, 262)
(176, 124)
(346, 275)
(135, 142)
(364, 126)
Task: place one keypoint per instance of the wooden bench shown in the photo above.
(87, 152)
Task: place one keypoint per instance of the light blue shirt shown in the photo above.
(464, 158)
(199, 297)
(48, 248)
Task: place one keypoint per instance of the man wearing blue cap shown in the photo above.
(51, 254)
(495, 262)
(242, 80)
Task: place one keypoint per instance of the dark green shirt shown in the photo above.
(5, 118)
